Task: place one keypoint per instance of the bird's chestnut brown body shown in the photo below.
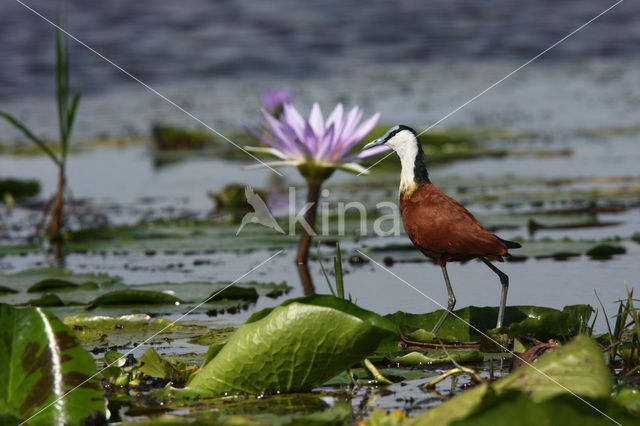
(442, 229)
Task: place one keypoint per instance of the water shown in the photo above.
(168, 41)
(414, 62)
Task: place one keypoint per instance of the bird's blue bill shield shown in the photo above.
(371, 144)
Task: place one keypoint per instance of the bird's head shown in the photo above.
(402, 139)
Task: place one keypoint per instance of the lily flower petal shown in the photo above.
(316, 142)
(363, 130)
(264, 150)
(273, 164)
(368, 153)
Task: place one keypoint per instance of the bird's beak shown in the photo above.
(376, 142)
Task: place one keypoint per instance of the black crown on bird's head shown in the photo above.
(404, 140)
(391, 133)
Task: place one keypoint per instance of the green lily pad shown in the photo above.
(46, 300)
(468, 323)
(550, 324)
(41, 361)
(106, 331)
(19, 189)
(181, 236)
(153, 364)
(52, 284)
(249, 294)
(578, 367)
(628, 397)
(7, 290)
(213, 337)
(393, 374)
(280, 410)
(293, 347)
(605, 251)
(560, 410)
(47, 279)
(134, 297)
(438, 357)
(115, 359)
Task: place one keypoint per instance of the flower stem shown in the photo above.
(55, 222)
(313, 195)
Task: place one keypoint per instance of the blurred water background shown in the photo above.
(414, 61)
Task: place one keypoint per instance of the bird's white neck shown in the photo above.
(404, 141)
(407, 160)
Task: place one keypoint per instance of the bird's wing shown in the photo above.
(437, 223)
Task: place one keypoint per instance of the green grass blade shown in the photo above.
(43, 146)
(605, 318)
(61, 92)
(71, 115)
(324, 272)
(337, 267)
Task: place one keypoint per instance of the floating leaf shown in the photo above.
(605, 251)
(564, 409)
(550, 324)
(46, 300)
(292, 347)
(436, 357)
(213, 337)
(6, 290)
(41, 361)
(115, 359)
(153, 364)
(54, 280)
(134, 297)
(49, 284)
(393, 374)
(468, 323)
(578, 367)
(114, 331)
(249, 294)
(19, 189)
(628, 397)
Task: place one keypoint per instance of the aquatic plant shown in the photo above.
(317, 147)
(67, 105)
(273, 100)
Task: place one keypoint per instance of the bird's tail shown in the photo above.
(511, 244)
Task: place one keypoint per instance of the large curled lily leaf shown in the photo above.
(576, 368)
(563, 409)
(293, 347)
(468, 323)
(41, 361)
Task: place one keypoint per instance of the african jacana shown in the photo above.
(439, 226)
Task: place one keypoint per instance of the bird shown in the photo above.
(439, 226)
(261, 213)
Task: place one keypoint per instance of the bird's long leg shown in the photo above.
(451, 303)
(504, 280)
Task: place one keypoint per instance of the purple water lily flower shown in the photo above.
(273, 100)
(316, 146)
